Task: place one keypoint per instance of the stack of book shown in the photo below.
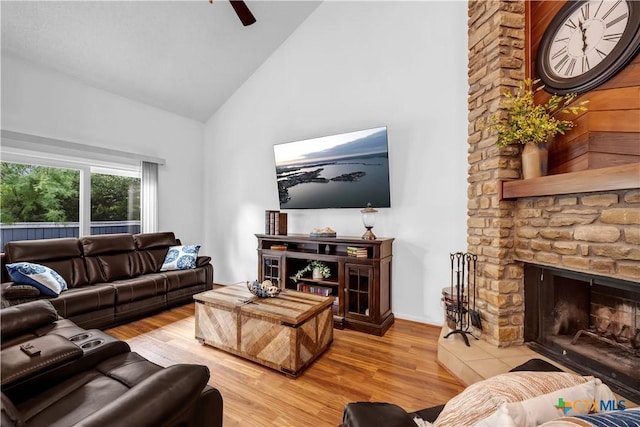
(275, 223)
(317, 290)
(357, 252)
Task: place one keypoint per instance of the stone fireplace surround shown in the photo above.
(591, 232)
(596, 232)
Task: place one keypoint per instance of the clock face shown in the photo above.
(588, 42)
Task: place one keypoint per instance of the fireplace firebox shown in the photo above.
(589, 323)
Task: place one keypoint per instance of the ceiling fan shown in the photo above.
(243, 12)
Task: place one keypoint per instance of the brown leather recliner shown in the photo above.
(55, 373)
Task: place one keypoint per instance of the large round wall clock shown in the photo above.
(587, 43)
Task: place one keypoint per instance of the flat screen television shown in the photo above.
(347, 170)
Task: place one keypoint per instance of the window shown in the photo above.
(38, 202)
(43, 202)
(55, 188)
(115, 203)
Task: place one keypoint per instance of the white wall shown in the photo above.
(42, 102)
(350, 66)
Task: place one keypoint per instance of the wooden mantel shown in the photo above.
(622, 177)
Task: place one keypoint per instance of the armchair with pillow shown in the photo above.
(527, 396)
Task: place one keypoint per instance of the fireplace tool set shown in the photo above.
(459, 315)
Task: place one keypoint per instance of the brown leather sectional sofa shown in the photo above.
(111, 278)
(79, 377)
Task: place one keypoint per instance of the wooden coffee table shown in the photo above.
(285, 333)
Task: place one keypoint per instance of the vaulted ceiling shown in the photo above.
(187, 57)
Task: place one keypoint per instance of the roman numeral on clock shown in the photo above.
(618, 19)
(613, 37)
(585, 12)
(560, 52)
(571, 67)
(560, 64)
(611, 10)
(571, 24)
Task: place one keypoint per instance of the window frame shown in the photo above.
(85, 167)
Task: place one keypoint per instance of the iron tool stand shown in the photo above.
(457, 308)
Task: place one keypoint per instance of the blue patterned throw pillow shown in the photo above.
(47, 281)
(180, 258)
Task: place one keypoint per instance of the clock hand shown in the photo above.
(583, 30)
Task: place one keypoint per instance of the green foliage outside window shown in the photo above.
(38, 194)
(31, 193)
(114, 198)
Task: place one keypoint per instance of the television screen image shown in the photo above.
(347, 170)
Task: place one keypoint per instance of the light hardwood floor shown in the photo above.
(400, 368)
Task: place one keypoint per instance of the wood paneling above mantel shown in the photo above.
(608, 134)
(605, 179)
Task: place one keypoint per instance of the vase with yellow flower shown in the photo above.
(522, 121)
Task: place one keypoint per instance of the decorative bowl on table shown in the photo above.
(265, 289)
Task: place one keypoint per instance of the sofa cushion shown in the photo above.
(180, 258)
(152, 249)
(154, 240)
(42, 250)
(62, 255)
(482, 399)
(139, 288)
(110, 257)
(179, 279)
(46, 280)
(85, 299)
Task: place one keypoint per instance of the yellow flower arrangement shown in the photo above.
(529, 122)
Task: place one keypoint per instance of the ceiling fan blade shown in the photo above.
(243, 12)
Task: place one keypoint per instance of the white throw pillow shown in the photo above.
(576, 400)
(180, 258)
(482, 399)
(47, 281)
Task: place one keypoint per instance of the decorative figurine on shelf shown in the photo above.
(318, 270)
(265, 289)
(369, 220)
(323, 232)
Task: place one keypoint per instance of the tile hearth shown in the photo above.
(482, 360)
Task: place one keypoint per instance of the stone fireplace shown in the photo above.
(590, 231)
(597, 232)
(587, 322)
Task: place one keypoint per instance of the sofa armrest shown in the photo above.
(22, 318)
(367, 414)
(164, 399)
(208, 411)
(201, 261)
(50, 351)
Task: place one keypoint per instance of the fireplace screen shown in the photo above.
(589, 323)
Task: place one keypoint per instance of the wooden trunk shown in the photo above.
(285, 333)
